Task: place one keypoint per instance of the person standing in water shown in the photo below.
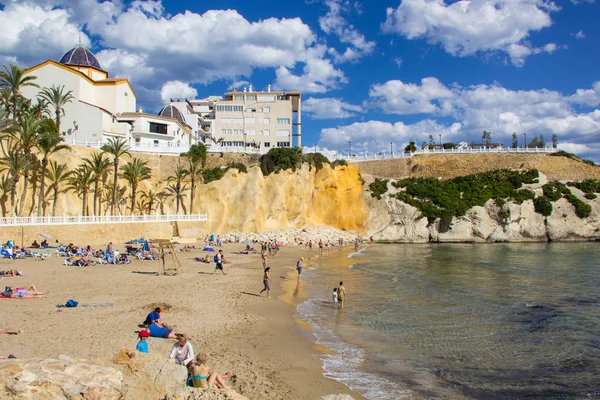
(341, 295)
(299, 267)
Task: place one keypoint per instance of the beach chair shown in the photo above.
(6, 254)
(61, 252)
(68, 263)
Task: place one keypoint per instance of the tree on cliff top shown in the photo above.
(280, 159)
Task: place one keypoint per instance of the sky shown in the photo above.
(374, 74)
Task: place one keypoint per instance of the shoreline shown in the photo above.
(257, 338)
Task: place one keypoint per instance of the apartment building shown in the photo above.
(246, 119)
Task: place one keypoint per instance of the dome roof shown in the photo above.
(80, 56)
(172, 112)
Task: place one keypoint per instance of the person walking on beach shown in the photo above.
(321, 246)
(267, 282)
(310, 245)
(219, 262)
(299, 267)
(263, 256)
(341, 295)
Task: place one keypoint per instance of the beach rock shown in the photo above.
(564, 225)
(336, 397)
(129, 375)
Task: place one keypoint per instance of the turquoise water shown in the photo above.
(484, 321)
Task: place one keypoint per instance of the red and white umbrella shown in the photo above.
(45, 236)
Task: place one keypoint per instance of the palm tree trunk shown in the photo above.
(54, 202)
(3, 204)
(133, 194)
(83, 201)
(95, 196)
(192, 189)
(14, 113)
(178, 197)
(114, 193)
(13, 195)
(41, 205)
(57, 113)
(24, 194)
(33, 192)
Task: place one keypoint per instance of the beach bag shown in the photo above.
(71, 303)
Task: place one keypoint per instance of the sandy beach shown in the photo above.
(272, 355)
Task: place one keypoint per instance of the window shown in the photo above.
(229, 131)
(238, 121)
(283, 144)
(156, 142)
(250, 120)
(267, 109)
(225, 108)
(267, 144)
(283, 121)
(283, 133)
(158, 128)
(267, 121)
(238, 97)
(267, 132)
(251, 97)
(223, 132)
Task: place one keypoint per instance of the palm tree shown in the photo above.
(178, 192)
(150, 199)
(26, 137)
(5, 189)
(56, 98)
(99, 164)
(135, 171)
(117, 147)
(194, 174)
(14, 78)
(197, 152)
(57, 174)
(80, 181)
(47, 144)
(15, 163)
(7, 125)
(177, 180)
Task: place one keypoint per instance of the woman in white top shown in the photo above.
(183, 352)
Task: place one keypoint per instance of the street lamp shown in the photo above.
(441, 141)
(525, 140)
(315, 148)
(392, 149)
(349, 148)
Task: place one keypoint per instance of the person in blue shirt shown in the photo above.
(154, 318)
(142, 345)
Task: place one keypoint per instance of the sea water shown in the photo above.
(480, 321)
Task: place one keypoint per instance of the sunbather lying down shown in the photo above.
(12, 272)
(10, 331)
(22, 293)
(206, 259)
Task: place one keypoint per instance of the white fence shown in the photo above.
(100, 219)
(469, 150)
(168, 148)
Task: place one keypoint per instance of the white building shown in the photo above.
(103, 107)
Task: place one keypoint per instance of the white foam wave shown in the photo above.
(344, 365)
(357, 253)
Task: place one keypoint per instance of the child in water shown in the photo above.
(334, 295)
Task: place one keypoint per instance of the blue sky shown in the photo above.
(371, 72)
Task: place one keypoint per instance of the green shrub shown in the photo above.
(562, 153)
(239, 166)
(378, 188)
(543, 206)
(341, 162)
(554, 191)
(280, 159)
(316, 159)
(582, 210)
(587, 186)
(209, 175)
(590, 196)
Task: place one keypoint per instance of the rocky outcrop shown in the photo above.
(396, 221)
(130, 375)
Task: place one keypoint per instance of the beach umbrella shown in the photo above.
(207, 248)
(146, 246)
(136, 241)
(45, 236)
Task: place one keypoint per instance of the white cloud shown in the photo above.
(177, 90)
(467, 27)
(397, 97)
(329, 108)
(398, 61)
(580, 35)
(144, 43)
(333, 23)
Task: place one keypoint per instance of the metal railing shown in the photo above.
(100, 219)
(468, 150)
(170, 148)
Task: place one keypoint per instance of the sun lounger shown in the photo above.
(61, 252)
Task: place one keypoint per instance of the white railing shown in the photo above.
(99, 219)
(469, 150)
(169, 148)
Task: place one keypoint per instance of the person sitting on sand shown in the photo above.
(182, 352)
(159, 331)
(203, 377)
(10, 331)
(23, 293)
(12, 272)
(35, 245)
(154, 318)
(44, 244)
